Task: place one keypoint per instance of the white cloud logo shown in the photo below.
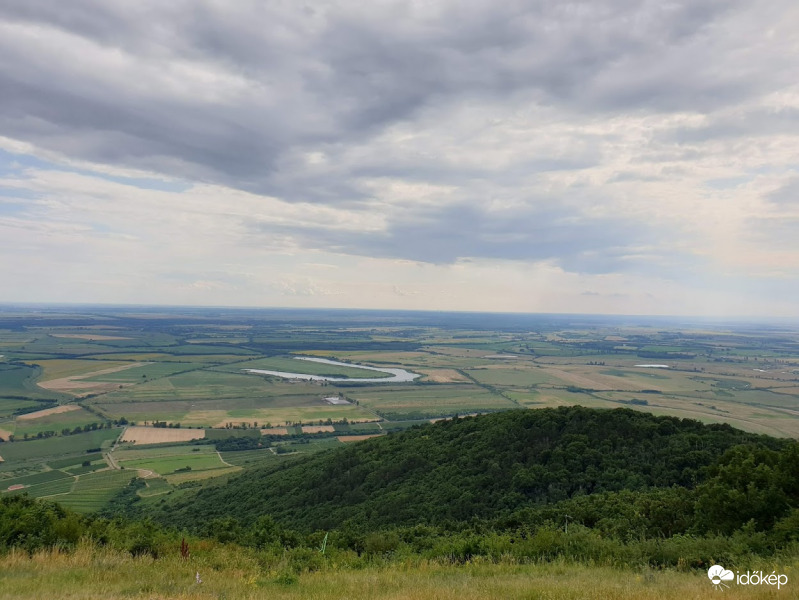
(718, 575)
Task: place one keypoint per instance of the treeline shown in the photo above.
(33, 525)
(64, 432)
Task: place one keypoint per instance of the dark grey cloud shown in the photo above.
(544, 231)
(239, 93)
(335, 73)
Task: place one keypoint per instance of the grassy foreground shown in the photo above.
(89, 572)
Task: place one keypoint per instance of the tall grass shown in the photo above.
(234, 572)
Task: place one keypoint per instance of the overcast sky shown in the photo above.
(607, 156)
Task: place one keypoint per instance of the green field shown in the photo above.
(155, 487)
(11, 406)
(18, 382)
(50, 488)
(92, 491)
(36, 478)
(145, 372)
(169, 465)
(168, 460)
(247, 458)
(19, 452)
(55, 422)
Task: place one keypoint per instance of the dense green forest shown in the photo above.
(615, 470)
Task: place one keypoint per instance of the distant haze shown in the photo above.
(606, 156)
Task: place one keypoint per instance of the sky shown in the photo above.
(607, 156)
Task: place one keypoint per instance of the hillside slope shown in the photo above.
(484, 467)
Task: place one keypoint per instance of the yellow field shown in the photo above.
(443, 375)
(160, 435)
(357, 438)
(275, 431)
(318, 429)
(49, 411)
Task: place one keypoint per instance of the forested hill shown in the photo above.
(486, 466)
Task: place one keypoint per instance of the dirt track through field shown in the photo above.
(65, 384)
(48, 411)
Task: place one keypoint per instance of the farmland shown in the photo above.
(108, 382)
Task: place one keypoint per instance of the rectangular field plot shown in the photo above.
(92, 491)
(141, 452)
(170, 464)
(429, 401)
(160, 435)
(58, 447)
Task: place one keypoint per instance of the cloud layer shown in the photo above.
(412, 147)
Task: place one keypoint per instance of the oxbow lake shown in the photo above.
(398, 375)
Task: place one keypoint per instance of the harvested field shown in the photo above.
(275, 431)
(443, 375)
(89, 336)
(5, 433)
(48, 411)
(160, 435)
(318, 429)
(357, 438)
